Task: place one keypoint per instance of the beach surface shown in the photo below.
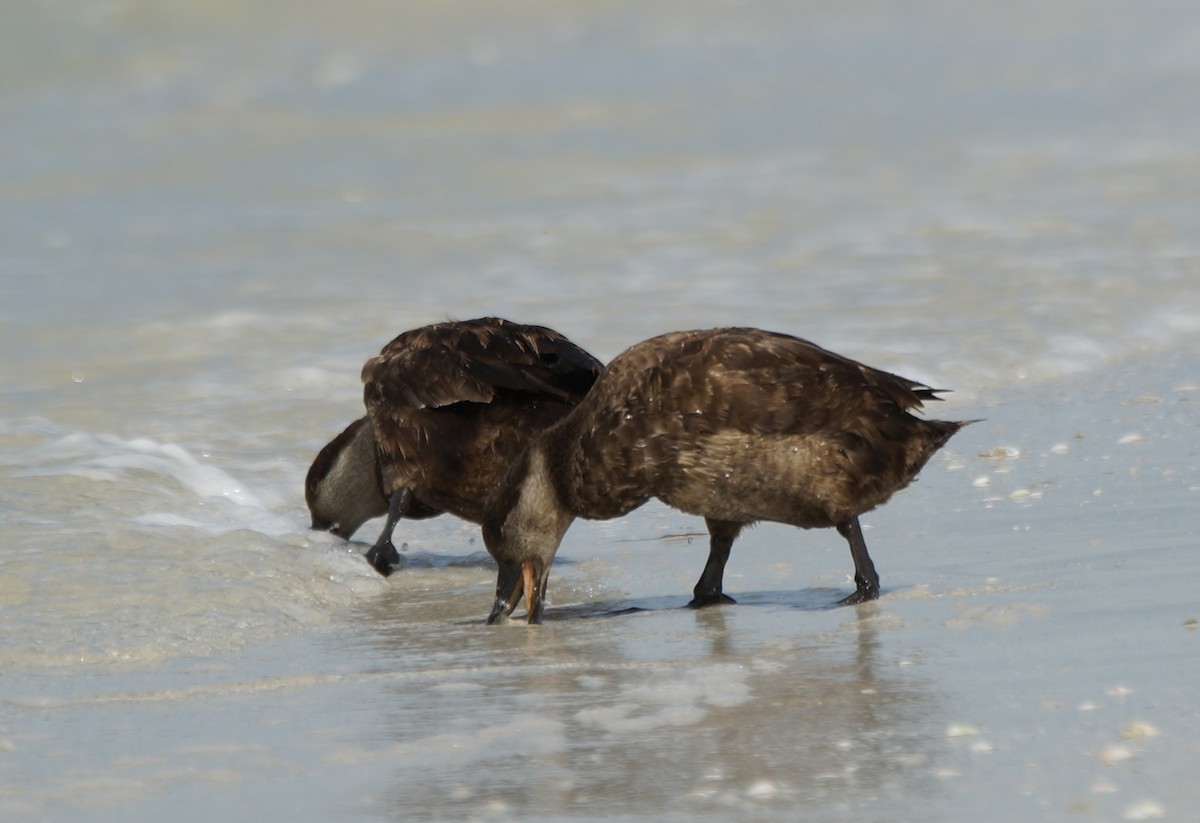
(213, 214)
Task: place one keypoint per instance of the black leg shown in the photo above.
(708, 591)
(865, 578)
(383, 556)
(509, 585)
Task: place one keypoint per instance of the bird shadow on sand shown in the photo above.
(411, 560)
(817, 599)
(422, 559)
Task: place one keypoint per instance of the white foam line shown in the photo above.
(105, 456)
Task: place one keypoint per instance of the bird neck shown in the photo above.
(525, 515)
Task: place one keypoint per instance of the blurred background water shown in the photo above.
(212, 213)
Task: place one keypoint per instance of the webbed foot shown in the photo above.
(384, 558)
(864, 594)
(719, 599)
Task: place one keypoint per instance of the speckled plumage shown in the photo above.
(449, 407)
(737, 425)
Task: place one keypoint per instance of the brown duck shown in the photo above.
(449, 407)
(736, 425)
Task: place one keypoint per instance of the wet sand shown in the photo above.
(1033, 657)
(212, 217)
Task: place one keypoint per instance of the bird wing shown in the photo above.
(762, 382)
(470, 361)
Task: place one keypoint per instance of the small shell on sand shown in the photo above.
(1139, 730)
(1144, 810)
(762, 790)
(1113, 753)
(961, 730)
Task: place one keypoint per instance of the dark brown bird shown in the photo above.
(736, 425)
(449, 407)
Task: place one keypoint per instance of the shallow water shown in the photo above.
(212, 215)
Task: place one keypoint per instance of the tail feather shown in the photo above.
(942, 430)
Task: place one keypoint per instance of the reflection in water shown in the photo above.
(681, 712)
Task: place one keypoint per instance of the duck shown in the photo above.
(449, 407)
(736, 425)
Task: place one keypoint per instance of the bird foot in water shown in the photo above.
(718, 599)
(384, 558)
(862, 595)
